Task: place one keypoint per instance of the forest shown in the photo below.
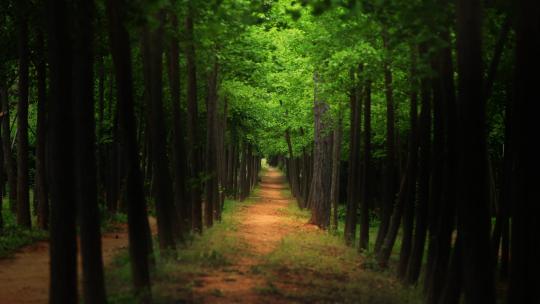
(269, 151)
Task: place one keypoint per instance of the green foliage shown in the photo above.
(13, 237)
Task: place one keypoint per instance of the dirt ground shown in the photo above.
(262, 227)
(24, 278)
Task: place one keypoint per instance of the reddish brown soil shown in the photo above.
(24, 278)
(263, 225)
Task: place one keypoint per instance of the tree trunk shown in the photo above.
(162, 183)
(390, 166)
(85, 160)
(409, 208)
(319, 197)
(192, 123)
(417, 252)
(23, 200)
(212, 170)
(336, 164)
(138, 228)
(525, 250)
(473, 210)
(408, 181)
(41, 192)
(181, 197)
(446, 217)
(9, 161)
(366, 181)
(60, 157)
(353, 192)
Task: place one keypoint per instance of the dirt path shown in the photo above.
(263, 226)
(24, 278)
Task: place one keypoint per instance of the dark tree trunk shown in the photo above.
(192, 123)
(389, 166)
(60, 160)
(9, 161)
(212, 170)
(353, 191)
(336, 164)
(451, 292)
(366, 181)
(41, 192)
(181, 197)
(424, 137)
(473, 209)
(409, 208)
(408, 181)
(162, 183)
(85, 161)
(242, 173)
(292, 169)
(437, 165)
(446, 217)
(23, 200)
(319, 197)
(2, 181)
(525, 239)
(138, 227)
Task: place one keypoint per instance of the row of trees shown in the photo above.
(117, 110)
(440, 158)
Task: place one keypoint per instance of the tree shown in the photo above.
(212, 202)
(524, 239)
(61, 159)
(319, 196)
(473, 213)
(192, 124)
(23, 200)
(162, 183)
(138, 228)
(85, 160)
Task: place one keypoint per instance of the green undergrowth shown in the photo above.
(311, 265)
(173, 278)
(13, 237)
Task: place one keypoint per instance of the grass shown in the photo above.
(13, 237)
(315, 266)
(174, 278)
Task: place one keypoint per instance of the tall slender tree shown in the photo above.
(23, 199)
(138, 227)
(60, 157)
(85, 160)
(473, 209)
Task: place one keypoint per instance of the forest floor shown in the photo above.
(24, 276)
(264, 251)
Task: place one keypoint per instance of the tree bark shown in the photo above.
(525, 239)
(192, 124)
(23, 200)
(422, 208)
(212, 170)
(473, 210)
(138, 227)
(41, 131)
(353, 192)
(162, 183)
(390, 166)
(366, 181)
(85, 160)
(319, 197)
(181, 197)
(336, 164)
(60, 159)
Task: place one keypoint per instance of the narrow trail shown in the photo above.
(263, 226)
(24, 278)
